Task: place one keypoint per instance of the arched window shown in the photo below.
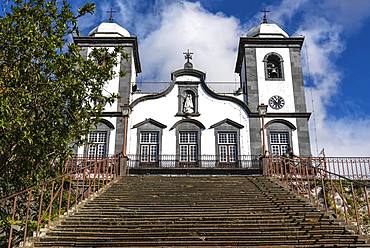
(149, 143)
(188, 140)
(274, 67)
(227, 137)
(98, 140)
(279, 133)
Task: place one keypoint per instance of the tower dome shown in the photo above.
(267, 30)
(109, 29)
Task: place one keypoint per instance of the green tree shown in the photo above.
(50, 96)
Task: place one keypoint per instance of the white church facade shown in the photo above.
(189, 124)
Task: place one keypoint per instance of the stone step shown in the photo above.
(149, 211)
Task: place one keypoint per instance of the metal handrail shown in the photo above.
(81, 178)
(345, 195)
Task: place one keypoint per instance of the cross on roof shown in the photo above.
(264, 11)
(111, 14)
(188, 56)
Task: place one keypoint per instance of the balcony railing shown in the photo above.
(201, 161)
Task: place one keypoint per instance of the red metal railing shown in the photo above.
(24, 214)
(337, 185)
(200, 161)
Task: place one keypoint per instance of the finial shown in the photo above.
(188, 57)
(111, 14)
(264, 11)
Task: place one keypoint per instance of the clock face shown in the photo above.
(276, 102)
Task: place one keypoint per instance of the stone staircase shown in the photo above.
(222, 211)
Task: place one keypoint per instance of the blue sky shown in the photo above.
(335, 54)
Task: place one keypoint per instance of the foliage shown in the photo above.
(48, 91)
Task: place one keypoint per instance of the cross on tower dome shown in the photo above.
(188, 57)
(264, 11)
(111, 14)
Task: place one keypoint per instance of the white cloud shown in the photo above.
(324, 43)
(212, 37)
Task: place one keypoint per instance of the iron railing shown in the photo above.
(336, 185)
(201, 161)
(24, 214)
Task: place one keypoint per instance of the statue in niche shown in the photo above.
(188, 104)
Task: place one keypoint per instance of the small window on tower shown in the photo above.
(274, 67)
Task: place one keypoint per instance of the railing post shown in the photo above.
(265, 166)
(11, 226)
(123, 166)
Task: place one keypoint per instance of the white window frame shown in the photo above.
(97, 144)
(227, 147)
(279, 142)
(149, 148)
(188, 146)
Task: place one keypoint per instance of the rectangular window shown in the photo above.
(97, 146)
(149, 143)
(279, 142)
(188, 146)
(227, 147)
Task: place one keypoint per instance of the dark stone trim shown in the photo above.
(153, 96)
(111, 114)
(255, 136)
(297, 79)
(229, 122)
(188, 72)
(303, 137)
(195, 122)
(285, 122)
(251, 78)
(150, 121)
(107, 123)
(187, 115)
(264, 42)
(287, 115)
(87, 41)
(206, 89)
(183, 89)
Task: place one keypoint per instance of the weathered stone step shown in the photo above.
(220, 233)
(150, 211)
(238, 228)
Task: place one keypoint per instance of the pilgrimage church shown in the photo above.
(188, 122)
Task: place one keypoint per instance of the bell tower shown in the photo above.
(110, 35)
(270, 70)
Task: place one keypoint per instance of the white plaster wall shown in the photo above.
(111, 86)
(187, 78)
(211, 111)
(267, 89)
(112, 137)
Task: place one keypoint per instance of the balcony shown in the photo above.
(202, 164)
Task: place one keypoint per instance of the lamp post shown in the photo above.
(262, 110)
(125, 111)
